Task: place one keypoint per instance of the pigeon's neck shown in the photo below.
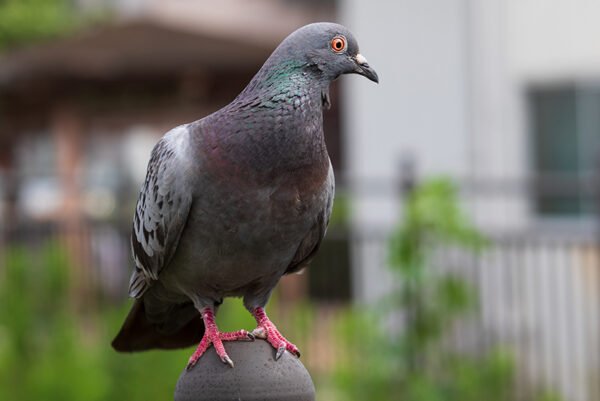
(280, 117)
(291, 78)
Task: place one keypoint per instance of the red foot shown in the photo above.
(267, 330)
(213, 336)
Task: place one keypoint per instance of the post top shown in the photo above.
(256, 376)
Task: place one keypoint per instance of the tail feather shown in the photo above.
(139, 334)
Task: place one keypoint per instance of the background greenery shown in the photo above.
(51, 350)
(26, 21)
(397, 349)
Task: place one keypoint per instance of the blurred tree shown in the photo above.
(431, 302)
(412, 362)
(47, 352)
(40, 351)
(26, 21)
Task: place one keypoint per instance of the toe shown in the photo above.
(293, 350)
(259, 332)
(227, 360)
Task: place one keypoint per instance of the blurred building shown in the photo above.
(69, 104)
(503, 96)
(80, 115)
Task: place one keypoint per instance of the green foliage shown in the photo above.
(365, 371)
(29, 21)
(404, 356)
(340, 212)
(233, 315)
(24, 21)
(432, 219)
(50, 352)
(38, 339)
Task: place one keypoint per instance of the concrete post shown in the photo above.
(256, 376)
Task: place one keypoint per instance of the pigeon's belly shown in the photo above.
(239, 239)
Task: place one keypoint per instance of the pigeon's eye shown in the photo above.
(338, 44)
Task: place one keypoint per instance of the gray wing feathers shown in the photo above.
(161, 212)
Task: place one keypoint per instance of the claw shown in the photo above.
(279, 353)
(191, 364)
(227, 360)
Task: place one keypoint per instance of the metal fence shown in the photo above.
(540, 298)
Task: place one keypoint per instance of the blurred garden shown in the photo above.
(53, 349)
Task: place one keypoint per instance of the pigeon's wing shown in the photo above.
(161, 212)
(312, 241)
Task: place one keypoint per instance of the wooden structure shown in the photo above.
(74, 95)
(101, 82)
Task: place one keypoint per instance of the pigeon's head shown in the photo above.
(330, 47)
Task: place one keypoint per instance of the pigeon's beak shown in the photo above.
(363, 68)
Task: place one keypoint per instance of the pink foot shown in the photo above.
(267, 330)
(213, 336)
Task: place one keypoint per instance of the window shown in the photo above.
(565, 128)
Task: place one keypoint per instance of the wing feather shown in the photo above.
(161, 211)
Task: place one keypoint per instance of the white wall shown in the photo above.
(498, 143)
(554, 40)
(418, 49)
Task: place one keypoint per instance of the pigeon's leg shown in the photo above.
(267, 330)
(213, 336)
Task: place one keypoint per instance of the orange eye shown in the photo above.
(338, 44)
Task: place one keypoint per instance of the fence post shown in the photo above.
(407, 183)
(255, 376)
(407, 175)
(596, 195)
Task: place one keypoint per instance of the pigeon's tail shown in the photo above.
(139, 334)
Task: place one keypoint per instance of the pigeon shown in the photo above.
(237, 199)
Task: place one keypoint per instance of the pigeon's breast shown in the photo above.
(244, 230)
(262, 211)
(258, 189)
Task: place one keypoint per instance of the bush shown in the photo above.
(48, 351)
(397, 351)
